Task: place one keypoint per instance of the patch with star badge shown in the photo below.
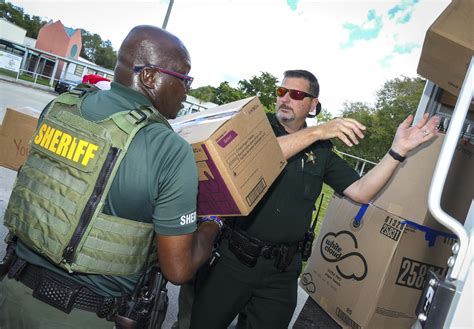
(310, 157)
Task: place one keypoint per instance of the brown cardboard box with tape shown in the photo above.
(368, 266)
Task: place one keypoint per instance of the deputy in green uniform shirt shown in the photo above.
(261, 253)
(82, 242)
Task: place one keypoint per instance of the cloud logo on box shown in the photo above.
(339, 248)
(307, 282)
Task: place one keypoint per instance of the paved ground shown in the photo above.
(17, 95)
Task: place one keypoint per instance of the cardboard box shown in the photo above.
(237, 155)
(449, 46)
(406, 194)
(450, 100)
(368, 266)
(16, 131)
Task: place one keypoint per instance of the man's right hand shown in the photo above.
(348, 130)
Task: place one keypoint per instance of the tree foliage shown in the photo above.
(262, 86)
(324, 116)
(98, 51)
(16, 15)
(397, 99)
(93, 49)
(206, 93)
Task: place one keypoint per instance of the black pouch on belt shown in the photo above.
(284, 257)
(244, 248)
(57, 292)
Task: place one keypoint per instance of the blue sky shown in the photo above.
(352, 46)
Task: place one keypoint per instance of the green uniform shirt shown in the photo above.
(284, 214)
(156, 182)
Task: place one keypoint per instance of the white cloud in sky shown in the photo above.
(352, 46)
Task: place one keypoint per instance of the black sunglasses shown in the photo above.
(297, 95)
(185, 78)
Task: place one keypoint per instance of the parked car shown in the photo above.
(62, 86)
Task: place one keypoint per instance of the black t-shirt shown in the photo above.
(284, 214)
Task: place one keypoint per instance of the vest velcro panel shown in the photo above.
(119, 245)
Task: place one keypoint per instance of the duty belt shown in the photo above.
(63, 293)
(247, 249)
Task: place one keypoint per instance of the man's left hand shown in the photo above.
(407, 137)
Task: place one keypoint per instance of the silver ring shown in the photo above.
(426, 132)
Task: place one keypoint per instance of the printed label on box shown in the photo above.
(340, 248)
(412, 273)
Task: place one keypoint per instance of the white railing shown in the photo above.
(361, 163)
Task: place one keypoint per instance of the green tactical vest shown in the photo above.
(56, 204)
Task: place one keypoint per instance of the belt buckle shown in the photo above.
(56, 293)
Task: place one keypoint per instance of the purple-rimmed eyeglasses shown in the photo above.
(185, 78)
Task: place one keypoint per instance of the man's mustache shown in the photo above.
(285, 107)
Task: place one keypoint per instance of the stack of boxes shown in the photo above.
(369, 262)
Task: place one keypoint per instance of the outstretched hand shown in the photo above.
(407, 138)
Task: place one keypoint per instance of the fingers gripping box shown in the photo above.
(237, 155)
(368, 266)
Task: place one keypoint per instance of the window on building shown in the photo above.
(79, 70)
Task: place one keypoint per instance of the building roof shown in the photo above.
(69, 30)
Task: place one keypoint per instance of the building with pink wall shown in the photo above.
(57, 39)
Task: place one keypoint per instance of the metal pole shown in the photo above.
(442, 168)
(170, 6)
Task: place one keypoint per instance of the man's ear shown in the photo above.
(315, 108)
(148, 77)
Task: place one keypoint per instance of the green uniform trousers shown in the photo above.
(267, 295)
(19, 310)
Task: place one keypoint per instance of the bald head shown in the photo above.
(146, 49)
(146, 44)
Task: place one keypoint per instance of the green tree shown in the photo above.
(90, 43)
(324, 116)
(98, 51)
(365, 115)
(106, 56)
(206, 93)
(263, 86)
(32, 25)
(226, 94)
(16, 15)
(397, 99)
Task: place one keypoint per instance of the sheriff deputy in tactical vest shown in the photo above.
(261, 254)
(102, 197)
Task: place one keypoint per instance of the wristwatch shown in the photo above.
(396, 156)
